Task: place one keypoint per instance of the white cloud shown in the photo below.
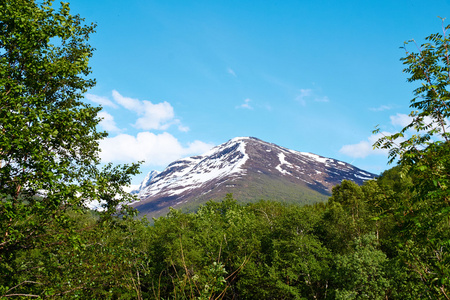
(365, 148)
(360, 150)
(246, 104)
(127, 102)
(306, 95)
(303, 96)
(155, 116)
(267, 107)
(107, 123)
(322, 99)
(401, 120)
(101, 100)
(230, 71)
(154, 149)
(198, 147)
(152, 116)
(380, 108)
(183, 128)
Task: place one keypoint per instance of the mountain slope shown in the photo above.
(249, 168)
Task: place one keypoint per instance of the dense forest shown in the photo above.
(386, 239)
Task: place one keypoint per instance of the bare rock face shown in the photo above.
(249, 168)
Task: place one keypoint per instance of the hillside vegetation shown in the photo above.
(355, 246)
(386, 239)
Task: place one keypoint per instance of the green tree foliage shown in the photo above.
(344, 249)
(386, 239)
(227, 250)
(361, 274)
(423, 152)
(346, 197)
(49, 153)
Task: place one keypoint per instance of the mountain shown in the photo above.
(145, 183)
(251, 170)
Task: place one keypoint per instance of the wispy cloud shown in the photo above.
(306, 95)
(403, 120)
(127, 102)
(380, 108)
(365, 148)
(322, 99)
(303, 96)
(107, 123)
(158, 116)
(103, 101)
(150, 116)
(183, 128)
(400, 120)
(154, 149)
(230, 71)
(267, 107)
(246, 104)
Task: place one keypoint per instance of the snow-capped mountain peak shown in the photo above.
(192, 172)
(239, 164)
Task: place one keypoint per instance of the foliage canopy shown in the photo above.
(423, 152)
(387, 239)
(49, 165)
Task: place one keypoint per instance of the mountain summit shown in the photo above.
(249, 168)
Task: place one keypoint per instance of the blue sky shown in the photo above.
(178, 77)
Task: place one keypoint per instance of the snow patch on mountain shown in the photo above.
(136, 190)
(190, 173)
(282, 158)
(316, 157)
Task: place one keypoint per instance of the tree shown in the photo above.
(346, 217)
(360, 274)
(49, 144)
(425, 156)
